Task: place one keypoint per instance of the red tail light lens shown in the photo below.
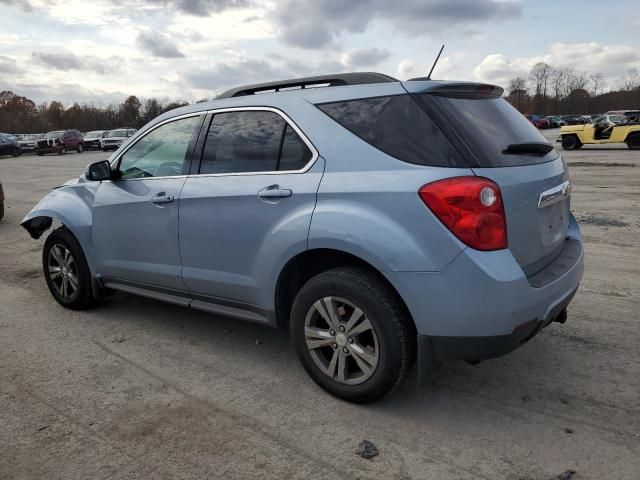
(471, 207)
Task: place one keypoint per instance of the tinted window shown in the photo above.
(489, 125)
(295, 154)
(398, 126)
(160, 153)
(243, 142)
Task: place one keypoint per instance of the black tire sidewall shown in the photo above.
(569, 142)
(390, 347)
(84, 298)
(634, 141)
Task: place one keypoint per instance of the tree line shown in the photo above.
(20, 114)
(567, 91)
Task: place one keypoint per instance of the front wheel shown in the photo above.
(16, 152)
(633, 141)
(61, 150)
(79, 148)
(570, 142)
(351, 334)
(66, 271)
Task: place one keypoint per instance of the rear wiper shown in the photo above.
(540, 148)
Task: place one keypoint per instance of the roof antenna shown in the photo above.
(435, 63)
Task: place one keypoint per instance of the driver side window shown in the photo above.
(160, 153)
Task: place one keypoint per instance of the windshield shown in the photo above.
(95, 134)
(489, 126)
(56, 134)
(30, 137)
(117, 133)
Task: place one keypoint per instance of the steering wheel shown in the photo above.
(168, 169)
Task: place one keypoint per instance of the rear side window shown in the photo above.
(252, 141)
(398, 126)
(488, 125)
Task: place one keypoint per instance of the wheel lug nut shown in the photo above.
(341, 328)
(345, 350)
(350, 340)
(334, 345)
(332, 332)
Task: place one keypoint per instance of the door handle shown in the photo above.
(161, 198)
(274, 192)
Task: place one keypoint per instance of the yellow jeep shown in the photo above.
(605, 129)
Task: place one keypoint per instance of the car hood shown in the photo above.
(115, 138)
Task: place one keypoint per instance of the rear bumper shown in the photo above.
(483, 305)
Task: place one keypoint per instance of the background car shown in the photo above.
(9, 145)
(1, 201)
(538, 121)
(60, 141)
(555, 121)
(28, 142)
(92, 139)
(574, 119)
(115, 138)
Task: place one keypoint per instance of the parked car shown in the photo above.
(351, 214)
(1, 201)
(9, 145)
(574, 119)
(92, 139)
(60, 141)
(115, 138)
(538, 121)
(605, 129)
(27, 142)
(555, 121)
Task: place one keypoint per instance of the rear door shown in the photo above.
(248, 208)
(503, 146)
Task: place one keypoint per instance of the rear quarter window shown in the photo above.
(398, 126)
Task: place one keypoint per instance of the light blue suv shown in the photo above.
(385, 223)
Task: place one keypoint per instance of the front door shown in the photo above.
(249, 208)
(135, 217)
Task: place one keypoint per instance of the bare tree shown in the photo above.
(598, 84)
(558, 79)
(518, 94)
(630, 81)
(540, 73)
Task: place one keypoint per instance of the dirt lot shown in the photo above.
(141, 389)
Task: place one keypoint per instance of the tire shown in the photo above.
(104, 149)
(62, 150)
(1, 210)
(39, 153)
(79, 148)
(68, 277)
(571, 142)
(17, 152)
(633, 141)
(388, 346)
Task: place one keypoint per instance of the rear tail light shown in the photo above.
(471, 208)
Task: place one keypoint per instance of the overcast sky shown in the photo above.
(101, 51)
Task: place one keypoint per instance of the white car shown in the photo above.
(115, 138)
(92, 139)
(28, 142)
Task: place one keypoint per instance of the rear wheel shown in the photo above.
(66, 271)
(16, 152)
(351, 334)
(39, 153)
(633, 141)
(61, 150)
(571, 142)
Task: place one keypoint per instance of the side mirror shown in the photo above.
(98, 171)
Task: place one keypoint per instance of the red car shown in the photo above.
(60, 141)
(538, 121)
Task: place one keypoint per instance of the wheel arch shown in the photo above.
(631, 133)
(305, 265)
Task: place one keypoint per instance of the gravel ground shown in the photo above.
(141, 389)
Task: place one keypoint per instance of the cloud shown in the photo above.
(158, 44)
(324, 20)
(23, 4)
(364, 57)
(69, 61)
(227, 74)
(9, 65)
(611, 60)
(207, 7)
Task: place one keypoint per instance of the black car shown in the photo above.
(574, 119)
(9, 146)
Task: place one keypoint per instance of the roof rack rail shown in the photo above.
(340, 79)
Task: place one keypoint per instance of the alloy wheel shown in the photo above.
(341, 340)
(63, 271)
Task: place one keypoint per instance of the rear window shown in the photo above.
(488, 125)
(398, 126)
